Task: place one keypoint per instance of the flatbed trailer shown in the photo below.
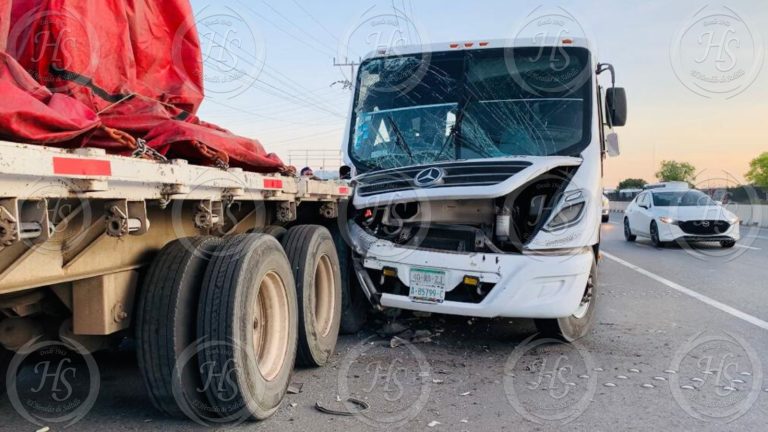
(130, 244)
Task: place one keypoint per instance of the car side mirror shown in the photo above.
(612, 145)
(616, 106)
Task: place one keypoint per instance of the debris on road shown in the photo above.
(434, 423)
(343, 412)
(295, 388)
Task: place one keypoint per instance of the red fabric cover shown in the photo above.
(29, 112)
(135, 63)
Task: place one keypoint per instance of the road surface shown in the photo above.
(681, 343)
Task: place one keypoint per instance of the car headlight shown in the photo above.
(668, 220)
(734, 220)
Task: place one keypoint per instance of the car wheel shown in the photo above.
(728, 244)
(579, 324)
(655, 235)
(628, 236)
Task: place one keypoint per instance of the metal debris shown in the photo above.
(347, 413)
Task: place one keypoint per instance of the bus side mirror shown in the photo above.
(612, 144)
(616, 106)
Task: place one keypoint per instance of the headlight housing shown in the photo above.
(569, 213)
(668, 220)
(734, 220)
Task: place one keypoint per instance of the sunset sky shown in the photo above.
(282, 54)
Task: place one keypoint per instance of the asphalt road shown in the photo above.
(681, 344)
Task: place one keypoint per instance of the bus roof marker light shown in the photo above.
(469, 44)
(454, 45)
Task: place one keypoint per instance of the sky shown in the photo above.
(694, 71)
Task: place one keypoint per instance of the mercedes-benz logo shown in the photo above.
(429, 177)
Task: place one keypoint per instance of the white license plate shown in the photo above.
(427, 286)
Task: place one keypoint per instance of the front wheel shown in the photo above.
(579, 324)
(655, 239)
(728, 244)
(628, 236)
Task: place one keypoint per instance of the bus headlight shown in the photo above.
(569, 215)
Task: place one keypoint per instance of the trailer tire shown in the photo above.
(166, 324)
(248, 315)
(578, 325)
(315, 262)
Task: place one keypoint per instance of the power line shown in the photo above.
(316, 21)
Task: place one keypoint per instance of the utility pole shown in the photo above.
(347, 84)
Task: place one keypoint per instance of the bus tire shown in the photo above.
(249, 318)
(315, 263)
(578, 325)
(166, 324)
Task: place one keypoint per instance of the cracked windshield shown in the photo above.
(420, 109)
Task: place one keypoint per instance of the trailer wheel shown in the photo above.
(579, 324)
(249, 318)
(312, 253)
(166, 324)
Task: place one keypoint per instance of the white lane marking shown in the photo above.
(702, 298)
(747, 247)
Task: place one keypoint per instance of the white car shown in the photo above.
(680, 215)
(606, 209)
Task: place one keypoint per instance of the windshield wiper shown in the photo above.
(399, 139)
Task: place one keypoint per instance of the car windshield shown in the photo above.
(426, 108)
(682, 199)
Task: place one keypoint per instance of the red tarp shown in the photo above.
(112, 67)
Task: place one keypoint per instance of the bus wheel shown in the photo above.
(579, 324)
(248, 317)
(315, 263)
(166, 325)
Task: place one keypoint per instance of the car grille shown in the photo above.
(456, 174)
(705, 227)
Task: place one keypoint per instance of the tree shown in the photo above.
(676, 171)
(632, 183)
(758, 171)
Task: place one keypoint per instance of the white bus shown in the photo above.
(478, 179)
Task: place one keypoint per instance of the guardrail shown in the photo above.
(749, 214)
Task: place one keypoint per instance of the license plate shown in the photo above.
(427, 286)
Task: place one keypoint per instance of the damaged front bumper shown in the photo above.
(547, 285)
